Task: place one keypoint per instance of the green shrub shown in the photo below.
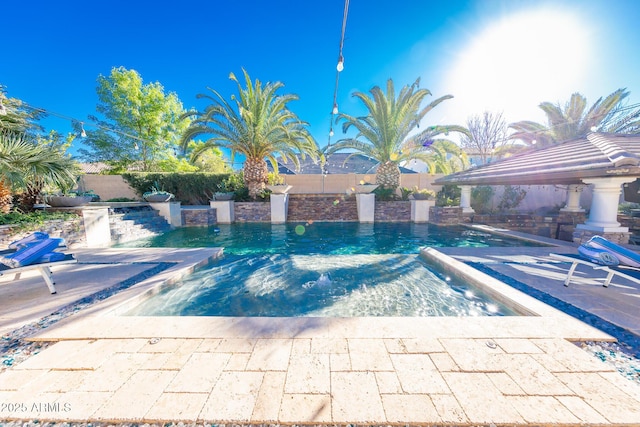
(383, 193)
(188, 188)
(511, 198)
(34, 220)
(121, 199)
(405, 193)
(481, 199)
(449, 195)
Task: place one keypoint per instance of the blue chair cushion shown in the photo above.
(624, 255)
(31, 253)
(598, 256)
(30, 239)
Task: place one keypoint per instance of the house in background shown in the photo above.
(338, 163)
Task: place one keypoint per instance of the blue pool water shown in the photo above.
(322, 269)
(330, 238)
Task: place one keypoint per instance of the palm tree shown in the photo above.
(17, 116)
(383, 134)
(258, 125)
(446, 157)
(575, 121)
(25, 165)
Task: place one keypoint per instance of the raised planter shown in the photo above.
(67, 201)
(223, 196)
(279, 189)
(158, 197)
(420, 209)
(365, 188)
(422, 196)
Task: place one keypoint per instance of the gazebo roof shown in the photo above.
(594, 156)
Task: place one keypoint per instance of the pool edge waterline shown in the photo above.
(104, 320)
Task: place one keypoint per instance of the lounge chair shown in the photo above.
(601, 254)
(36, 251)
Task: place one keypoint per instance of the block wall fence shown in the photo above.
(114, 186)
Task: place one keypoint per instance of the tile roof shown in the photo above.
(596, 155)
(94, 168)
(336, 163)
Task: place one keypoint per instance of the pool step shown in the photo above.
(133, 223)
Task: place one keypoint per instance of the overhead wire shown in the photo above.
(339, 68)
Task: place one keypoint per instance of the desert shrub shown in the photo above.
(385, 194)
(405, 193)
(34, 220)
(511, 198)
(449, 195)
(481, 199)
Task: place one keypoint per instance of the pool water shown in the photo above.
(334, 238)
(320, 286)
(322, 269)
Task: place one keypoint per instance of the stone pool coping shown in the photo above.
(524, 370)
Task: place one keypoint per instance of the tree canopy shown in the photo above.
(574, 120)
(140, 124)
(257, 124)
(18, 117)
(488, 132)
(384, 133)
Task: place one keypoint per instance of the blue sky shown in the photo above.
(490, 55)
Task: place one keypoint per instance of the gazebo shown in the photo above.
(604, 161)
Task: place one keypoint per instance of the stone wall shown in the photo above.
(399, 211)
(337, 207)
(445, 215)
(322, 208)
(71, 231)
(581, 236)
(114, 186)
(252, 211)
(559, 226)
(201, 216)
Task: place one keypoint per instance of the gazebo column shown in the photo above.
(603, 215)
(465, 199)
(574, 191)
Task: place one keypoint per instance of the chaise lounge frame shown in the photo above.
(44, 269)
(629, 273)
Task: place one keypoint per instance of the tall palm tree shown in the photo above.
(383, 134)
(27, 166)
(257, 125)
(574, 120)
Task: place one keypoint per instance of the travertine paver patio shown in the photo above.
(340, 379)
(520, 370)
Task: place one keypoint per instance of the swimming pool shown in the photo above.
(330, 238)
(324, 270)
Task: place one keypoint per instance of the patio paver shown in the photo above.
(103, 366)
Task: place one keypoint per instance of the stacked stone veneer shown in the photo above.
(446, 215)
(559, 226)
(399, 211)
(581, 236)
(200, 216)
(308, 207)
(337, 207)
(252, 211)
(71, 231)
